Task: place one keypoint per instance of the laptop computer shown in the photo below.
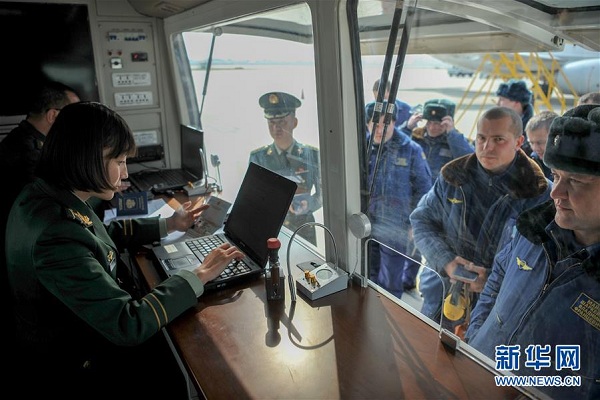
(257, 214)
(193, 166)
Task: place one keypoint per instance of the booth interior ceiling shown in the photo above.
(65, 54)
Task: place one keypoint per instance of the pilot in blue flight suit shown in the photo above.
(290, 158)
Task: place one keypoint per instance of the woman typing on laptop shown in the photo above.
(76, 321)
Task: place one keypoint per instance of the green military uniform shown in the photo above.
(301, 164)
(63, 266)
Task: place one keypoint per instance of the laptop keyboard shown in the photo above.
(162, 179)
(204, 245)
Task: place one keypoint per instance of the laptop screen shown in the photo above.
(192, 141)
(259, 211)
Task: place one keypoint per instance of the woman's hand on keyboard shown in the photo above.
(184, 217)
(216, 261)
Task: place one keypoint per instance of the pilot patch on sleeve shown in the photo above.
(588, 309)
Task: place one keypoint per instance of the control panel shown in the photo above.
(130, 77)
(129, 65)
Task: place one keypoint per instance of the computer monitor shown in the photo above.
(192, 151)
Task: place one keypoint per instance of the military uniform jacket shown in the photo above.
(19, 154)
(301, 164)
(62, 264)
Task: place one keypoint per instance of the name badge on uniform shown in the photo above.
(401, 161)
(445, 153)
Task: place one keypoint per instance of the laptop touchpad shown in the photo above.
(184, 262)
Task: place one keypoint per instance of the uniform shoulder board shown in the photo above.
(309, 147)
(79, 217)
(263, 148)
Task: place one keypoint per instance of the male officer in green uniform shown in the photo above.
(290, 158)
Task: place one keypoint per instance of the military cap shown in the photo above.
(436, 109)
(574, 141)
(278, 104)
(515, 90)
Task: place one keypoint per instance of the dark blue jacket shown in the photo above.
(442, 149)
(403, 177)
(440, 220)
(544, 289)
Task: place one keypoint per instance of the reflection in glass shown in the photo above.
(446, 36)
(231, 70)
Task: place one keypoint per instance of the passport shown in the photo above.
(132, 203)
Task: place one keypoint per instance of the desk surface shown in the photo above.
(354, 344)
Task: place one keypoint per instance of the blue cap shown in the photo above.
(370, 110)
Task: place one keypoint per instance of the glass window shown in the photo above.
(255, 94)
(457, 61)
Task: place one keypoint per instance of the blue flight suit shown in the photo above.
(402, 178)
(442, 149)
(471, 213)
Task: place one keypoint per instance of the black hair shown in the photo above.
(50, 95)
(73, 154)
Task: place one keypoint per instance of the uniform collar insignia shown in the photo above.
(269, 151)
(523, 265)
(110, 256)
(454, 200)
(79, 217)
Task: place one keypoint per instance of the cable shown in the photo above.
(290, 278)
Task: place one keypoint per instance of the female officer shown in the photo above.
(75, 322)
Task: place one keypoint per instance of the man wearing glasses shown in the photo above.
(292, 159)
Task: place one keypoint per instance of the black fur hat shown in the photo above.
(574, 141)
(515, 90)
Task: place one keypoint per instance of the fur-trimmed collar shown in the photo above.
(528, 181)
(533, 223)
(418, 133)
